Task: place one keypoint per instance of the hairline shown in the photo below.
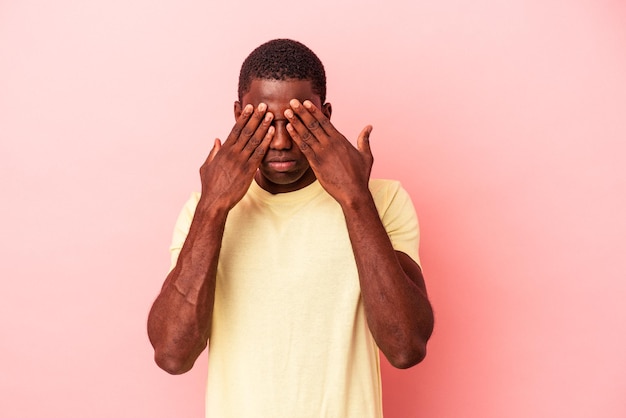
(289, 79)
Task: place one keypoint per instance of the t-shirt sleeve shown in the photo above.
(181, 228)
(398, 216)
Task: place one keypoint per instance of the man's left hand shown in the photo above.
(341, 169)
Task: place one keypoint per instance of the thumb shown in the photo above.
(363, 141)
(216, 147)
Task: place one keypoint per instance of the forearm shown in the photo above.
(398, 312)
(179, 323)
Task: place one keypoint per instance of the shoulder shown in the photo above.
(385, 191)
(391, 199)
(397, 214)
(190, 205)
(194, 199)
(383, 184)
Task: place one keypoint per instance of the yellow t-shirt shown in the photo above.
(289, 336)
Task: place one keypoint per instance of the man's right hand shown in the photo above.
(230, 167)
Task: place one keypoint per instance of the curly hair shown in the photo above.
(283, 59)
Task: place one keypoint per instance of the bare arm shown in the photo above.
(398, 312)
(179, 323)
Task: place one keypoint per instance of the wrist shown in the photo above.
(358, 202)
(210, 207)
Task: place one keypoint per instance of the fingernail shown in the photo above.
(294, 103)
(289, 113)
(248, 109)
(307, 104)
(268, 116)
(262, 107)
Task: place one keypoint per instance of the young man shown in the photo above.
(291, 263)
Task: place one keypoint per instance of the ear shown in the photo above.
(327, 109)
(237, 109)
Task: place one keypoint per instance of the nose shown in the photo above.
(282, 139)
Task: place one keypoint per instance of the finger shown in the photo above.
(216, 147)
(309, 116)
(260, 134)
(304, 146)
(322, 119)
(241, 121)
(254, 122)
(259, 152)
(363, 141)
(303, 124)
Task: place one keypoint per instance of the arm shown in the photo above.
(398, 312)
(392, 287)
(179, 323)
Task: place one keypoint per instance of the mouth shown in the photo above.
(280, 165)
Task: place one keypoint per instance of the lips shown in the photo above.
(280, 162)
(281, 165)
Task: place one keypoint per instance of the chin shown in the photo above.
(285, 182)
(282, 179)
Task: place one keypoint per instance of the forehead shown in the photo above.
(277, 93)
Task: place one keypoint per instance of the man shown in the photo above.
(291, 264)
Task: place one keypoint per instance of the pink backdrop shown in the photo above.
(504, 120)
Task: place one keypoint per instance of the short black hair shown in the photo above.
(283, 59)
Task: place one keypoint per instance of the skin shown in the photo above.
(284, 140)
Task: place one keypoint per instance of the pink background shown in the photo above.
(504, 120)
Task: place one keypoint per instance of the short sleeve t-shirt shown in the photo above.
(289, 336)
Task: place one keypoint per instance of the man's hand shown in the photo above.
(341, 169)
(229, 169)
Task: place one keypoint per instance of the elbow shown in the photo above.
(174, 358)
(408, 357)
(172, 364)
(406, 351)
(175, 361)
(410, 350)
